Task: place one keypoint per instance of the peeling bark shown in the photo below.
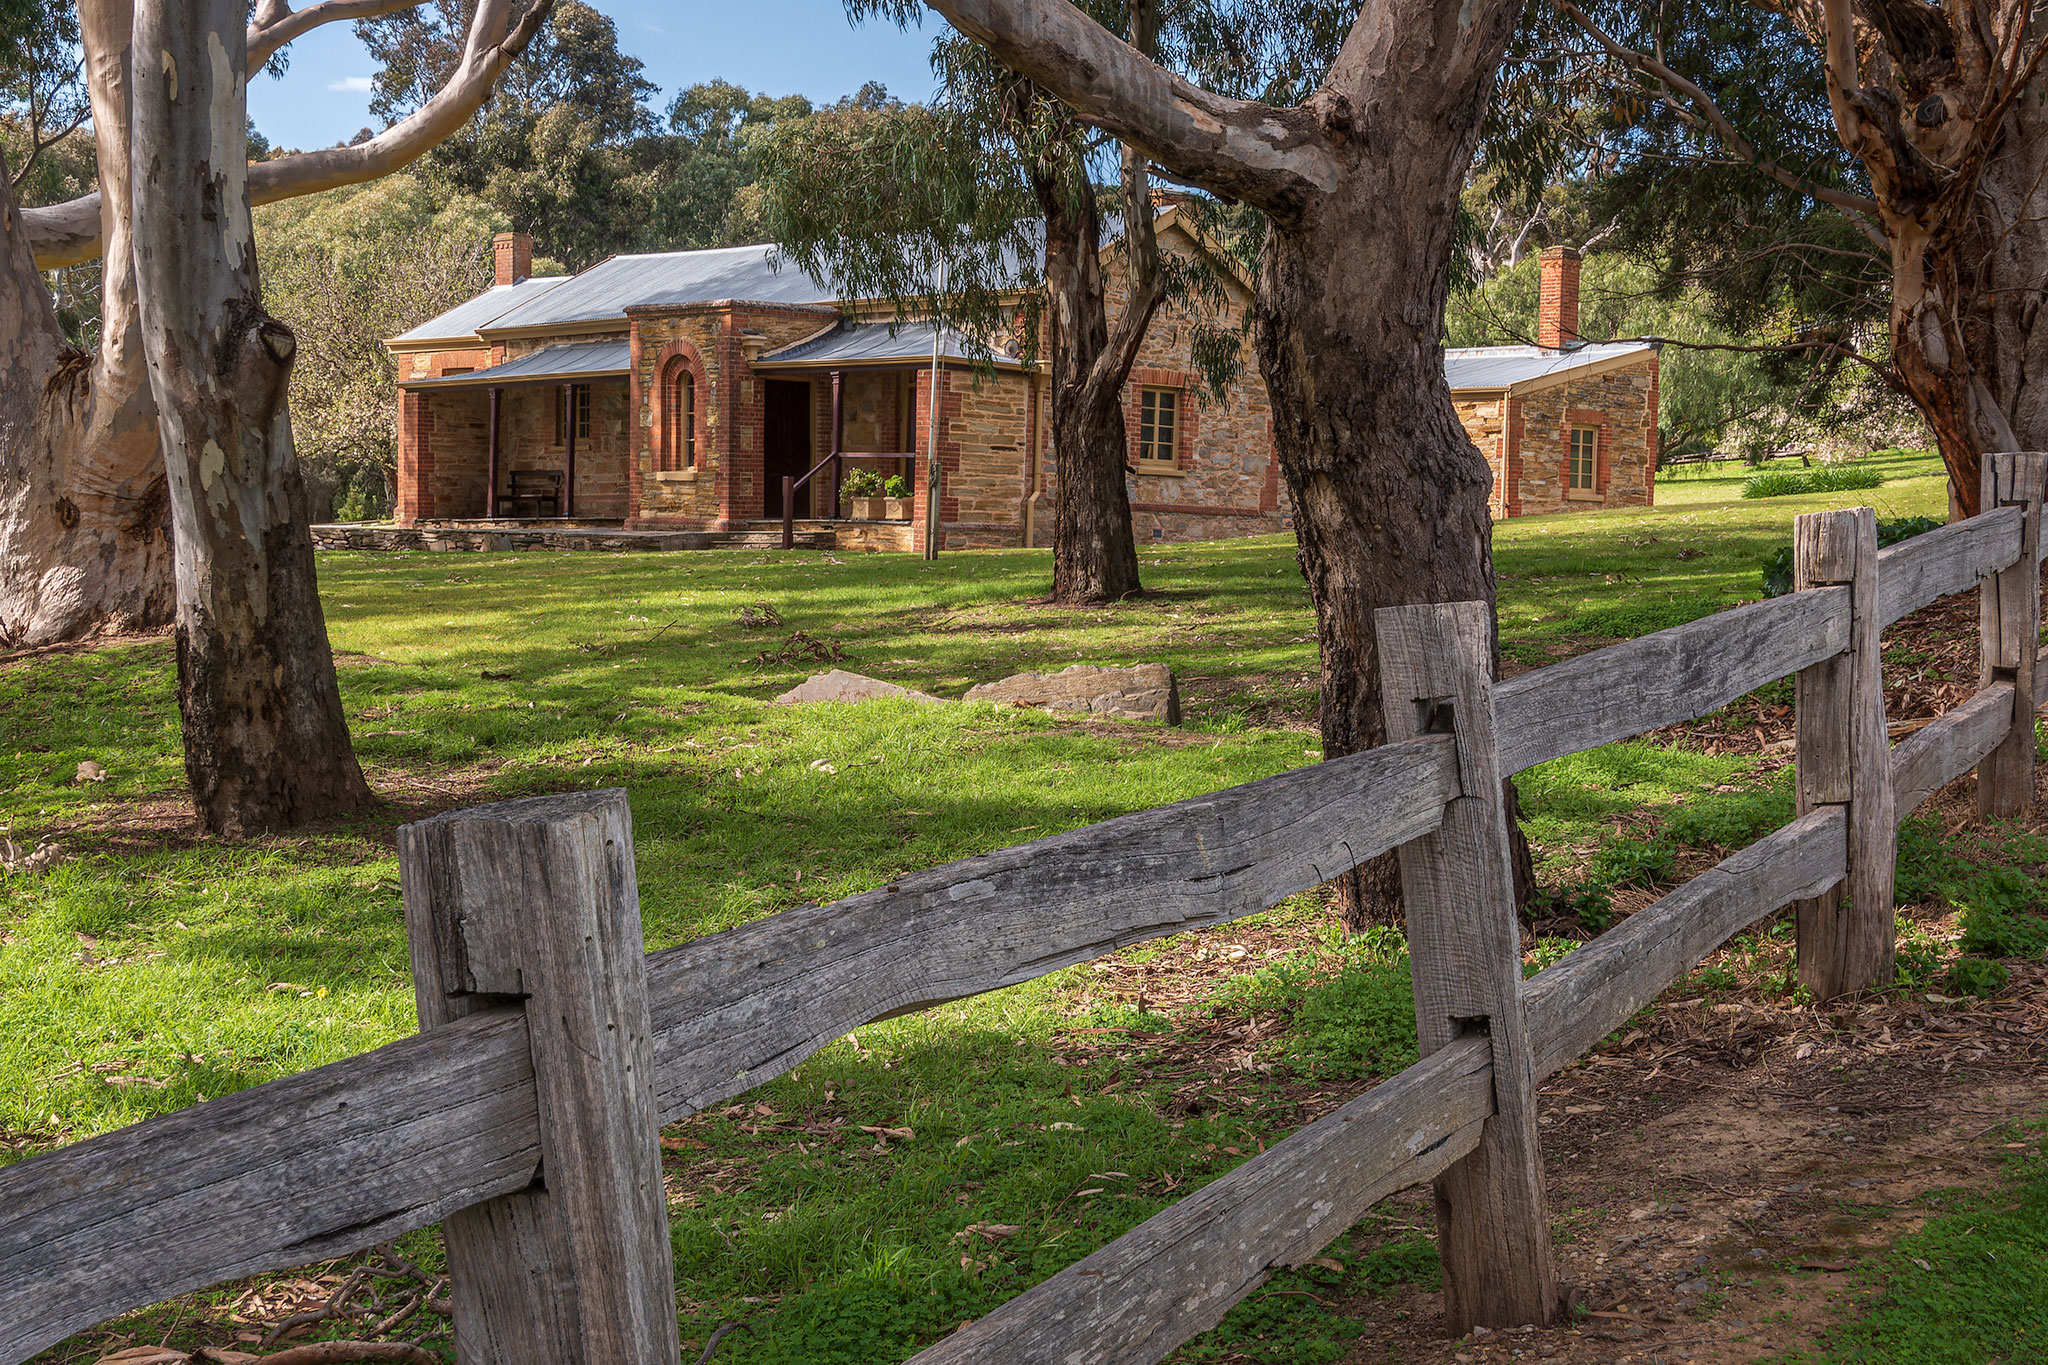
(266, 744)
(84, 516)
(1943, 109)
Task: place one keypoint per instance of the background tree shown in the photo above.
(992, 188)
(706, 196)
(344, 270)
(566, 147)
(84, 545)
(187, 355)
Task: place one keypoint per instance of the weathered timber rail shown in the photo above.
(525, 1115)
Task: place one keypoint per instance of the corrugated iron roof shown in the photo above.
(462, 321)
(1506, 367)
(582, 360)
(869, 343)
(601, 293)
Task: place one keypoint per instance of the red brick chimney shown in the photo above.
(1557, 314)
(515, 258)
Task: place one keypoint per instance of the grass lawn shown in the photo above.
(149, 969)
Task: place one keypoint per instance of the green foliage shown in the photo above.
(1548, 953)
(1627, 620)
(861, 482)
(1589, 902)
(346, 269)
(1634, 862)
(567, 147)
(1822, 478)
(1360, 1022)
(1977, 976)
(1729, 820)
(2002, 914)
(1280, 1324)
(1919, 959)
(896, 486)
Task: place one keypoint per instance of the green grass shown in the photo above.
(150, 969)
(1970, 1286)
(1825, 478)
(1585, 578)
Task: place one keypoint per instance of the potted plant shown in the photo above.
(863, 494)
(896, 498)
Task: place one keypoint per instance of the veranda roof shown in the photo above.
(870, 343)
(583, 360)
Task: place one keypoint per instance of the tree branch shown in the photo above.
(276, 23)
(1141, 242)
(1267, 156)
(68, 233)
(1862, 211)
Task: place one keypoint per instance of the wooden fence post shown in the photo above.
(1465, 946)
(2009, 617)
(533, 905)
(1846, 936)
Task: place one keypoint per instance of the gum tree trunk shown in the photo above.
(84, 512)
(1095, 555)
(1360, 186)
(1095, 552)
(265, 741)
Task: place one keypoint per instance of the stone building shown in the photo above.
(677, 392)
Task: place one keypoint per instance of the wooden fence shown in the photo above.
(524, 1115)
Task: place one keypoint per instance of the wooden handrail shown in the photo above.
(789, 487)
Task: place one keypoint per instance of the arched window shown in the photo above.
(679, 409)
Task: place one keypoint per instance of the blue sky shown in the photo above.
(780, 47)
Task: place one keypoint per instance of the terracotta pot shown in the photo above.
(898, 509)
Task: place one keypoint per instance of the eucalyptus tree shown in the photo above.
(179, 416)
(1356, 156)
(982, 211)
(1887, 161)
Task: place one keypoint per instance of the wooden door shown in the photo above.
(786, 443)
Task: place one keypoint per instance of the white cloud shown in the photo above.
(355, 85)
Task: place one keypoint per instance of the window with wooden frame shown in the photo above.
(579, 397)
(1584, 467)
(1158, 427)
(679, 412)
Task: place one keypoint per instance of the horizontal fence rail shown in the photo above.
(1668, 678)
(1915, 572)
(319, 1164)
(337, 1159)
(737, 1008)
(1175, 1275)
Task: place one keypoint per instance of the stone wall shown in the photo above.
(1527, 441)
(1621, 404)
(727, 484)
